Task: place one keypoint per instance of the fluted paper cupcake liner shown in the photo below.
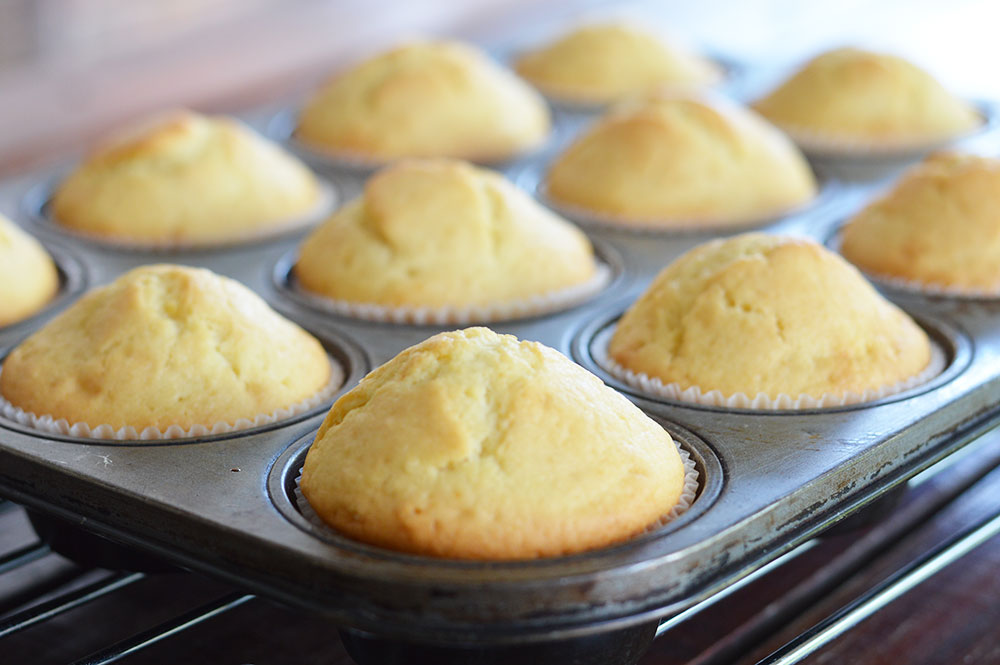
(689, 492)
(655, 387)
(837, 146)
(934, 288)
(326, 201)
(546, 303)
(51, 425)
(666, 226)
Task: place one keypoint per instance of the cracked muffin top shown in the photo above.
(606, 62)
(759, 313)
(939, 225)
(479, 446)
(425, 99)
(165, 345)
(439, 233)
(681, 160)
(28, 277)
(855, 95)
(187, 179)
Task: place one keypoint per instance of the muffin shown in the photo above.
(186, 179)
(767, 314)
(425, 99)
(28, 277)
(681, 161)
(607, 62)
(475, 445)
(442, 233)
(850, 97)
(940, 225)
(165, 346)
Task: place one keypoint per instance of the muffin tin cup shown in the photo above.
(49, 424)
(689, 493)
(458, 315)
(38, 204)
(932, 288)
(829, 146)
(655, 387)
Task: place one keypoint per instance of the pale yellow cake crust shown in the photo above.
(852, 94)
(187, 179)
(28, 277)
(759, 313)
(426, 99)
(607, 62)
(475, 445)
(940, 225)
(439, 233)
(680, 161)
(165, 345)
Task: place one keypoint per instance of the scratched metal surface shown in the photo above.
(770, 479)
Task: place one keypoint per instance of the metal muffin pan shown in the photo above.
(769, 479)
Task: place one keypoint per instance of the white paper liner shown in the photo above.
(832, 146)
(689, 492)
(934, 288)
(326, 201)
(761, 401)
(49, 424)
(661, 226)
(545, 303)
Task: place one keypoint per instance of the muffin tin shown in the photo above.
(224, 504)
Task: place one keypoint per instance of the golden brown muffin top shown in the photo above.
(605, 62)
(186, 179)
(425, 99)
(939, 225)
(681, 160)
(165, 345)
(442, 232)
(852, 94)
(476, 445)
(759, 313)
(28, 277)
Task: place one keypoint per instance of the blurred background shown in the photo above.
(70, 69)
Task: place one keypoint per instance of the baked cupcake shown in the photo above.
(445, 235)
(186, 180)
(28, 277)
(681, 161)
(762, 314)
(475, 445)
(166, 347)
(606, 62)
(849, 98)
(425, 99)
(938, 227)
